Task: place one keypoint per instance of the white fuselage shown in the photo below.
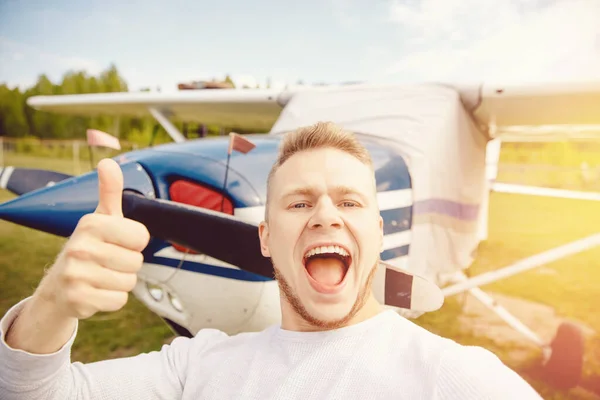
(206, 301)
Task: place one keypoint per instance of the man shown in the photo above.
(323, 233)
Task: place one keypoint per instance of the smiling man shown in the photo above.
(323, 233)
(322, 229)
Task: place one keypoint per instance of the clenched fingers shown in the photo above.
(86, 301)
(116, 258)
(88, 273)
(119, 231)
(108, 300)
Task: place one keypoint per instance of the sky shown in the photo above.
(157, 43)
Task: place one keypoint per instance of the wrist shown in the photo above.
(45, 310)
(40, 327)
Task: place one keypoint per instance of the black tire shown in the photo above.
(178, 329)
(565, 365)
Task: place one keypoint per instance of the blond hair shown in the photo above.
(317, 136)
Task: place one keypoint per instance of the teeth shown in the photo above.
(327, 250)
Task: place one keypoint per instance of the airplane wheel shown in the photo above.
(565, 365)
(178, 329)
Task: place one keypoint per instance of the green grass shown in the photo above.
(534, 225)
(64, 165)
(520, 226)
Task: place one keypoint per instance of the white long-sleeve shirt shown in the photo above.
(385, 357)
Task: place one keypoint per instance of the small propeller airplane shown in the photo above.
(435, 149)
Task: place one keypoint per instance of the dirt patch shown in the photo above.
(540, 318)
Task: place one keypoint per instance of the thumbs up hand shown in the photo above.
(110, 188)
(98, 265)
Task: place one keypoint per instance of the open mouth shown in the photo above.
(327, 265)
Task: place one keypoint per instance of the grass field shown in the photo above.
(520, 226)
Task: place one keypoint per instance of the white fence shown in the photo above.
(72, 156)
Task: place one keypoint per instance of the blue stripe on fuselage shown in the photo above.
(395, 252)
(209, 269)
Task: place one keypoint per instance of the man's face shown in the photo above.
(324, 234)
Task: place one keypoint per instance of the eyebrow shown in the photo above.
(311, 190)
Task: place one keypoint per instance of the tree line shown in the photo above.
(18, 120)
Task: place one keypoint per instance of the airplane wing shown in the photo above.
(569, 103)
(256, 109)
(505, 106)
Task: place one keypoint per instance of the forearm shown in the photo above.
(39, 329)
(27, 375)
(52, 375)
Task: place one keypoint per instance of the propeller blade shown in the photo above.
(404, 289)
(25, 180)
(209, 232)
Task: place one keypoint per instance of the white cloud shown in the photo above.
(516, 41)
(70, 62)
(345, 13)
(442, 19)
(55, 65)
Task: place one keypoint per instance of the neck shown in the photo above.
(292, 321)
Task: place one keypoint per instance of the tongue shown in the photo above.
(326, 270)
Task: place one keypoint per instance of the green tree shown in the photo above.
(41, 124)
(112, 81)
(13, 121)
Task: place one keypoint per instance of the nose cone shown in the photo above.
(57, 209)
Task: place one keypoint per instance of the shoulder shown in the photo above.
(207, 347)
(415, 336)
(208, 341)
(471, 372)
(412, 345)
(460, 372)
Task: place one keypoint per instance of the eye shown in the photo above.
(299, 205)
(349, 204)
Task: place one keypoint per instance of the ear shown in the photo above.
(263, 234)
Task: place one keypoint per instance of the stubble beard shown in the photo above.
(296, 304)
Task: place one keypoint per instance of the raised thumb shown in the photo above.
(110, 188)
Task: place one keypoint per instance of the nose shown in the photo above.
(325, 216)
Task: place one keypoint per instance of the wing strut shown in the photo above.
(165, 123)
(525, 264)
